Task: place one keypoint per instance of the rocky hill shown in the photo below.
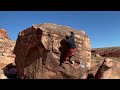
(6, 51)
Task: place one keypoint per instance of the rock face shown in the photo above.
(6, 51)
(110, 69)
(40, 48)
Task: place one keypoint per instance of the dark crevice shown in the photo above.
(10, 71)
(90, 76)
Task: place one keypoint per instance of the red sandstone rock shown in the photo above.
(40, 48)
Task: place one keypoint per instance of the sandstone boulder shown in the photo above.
(40, 49)
(110, 69)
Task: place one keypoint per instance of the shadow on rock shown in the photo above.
(10, 71)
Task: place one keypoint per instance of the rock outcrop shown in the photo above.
(110, 69)
(40, 49)
(98, 55)
(6, 51)
(3, 34)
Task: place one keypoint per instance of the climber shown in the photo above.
(72, 47)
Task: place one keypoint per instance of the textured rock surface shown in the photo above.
(40, 48)
(110, 69)
(6, 51)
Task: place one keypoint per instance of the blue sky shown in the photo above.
(102, 27)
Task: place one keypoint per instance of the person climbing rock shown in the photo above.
(72, 47)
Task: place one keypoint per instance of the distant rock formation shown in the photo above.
(40, 48)
(6, 51)
(107, 52)
(110, 69)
